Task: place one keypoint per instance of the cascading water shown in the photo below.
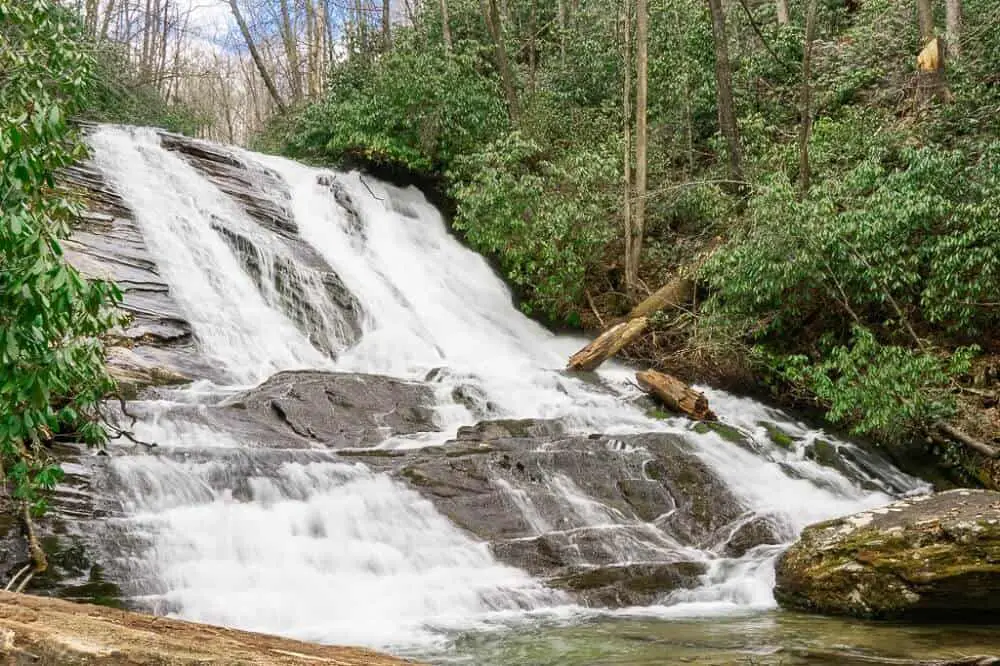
(220, 528)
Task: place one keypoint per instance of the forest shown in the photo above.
(823, 176)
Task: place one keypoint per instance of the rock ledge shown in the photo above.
(40, 630)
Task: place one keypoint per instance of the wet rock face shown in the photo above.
(934, 558)
(253, 187)
(607, 518)
(337, 410)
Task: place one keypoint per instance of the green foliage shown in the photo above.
(545, 219)
(894, 239)
(445, 109)
(885, 390)
(52, 373)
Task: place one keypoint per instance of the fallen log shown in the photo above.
(675, 293)
(957, 435)
(675, 394)
(607, 344)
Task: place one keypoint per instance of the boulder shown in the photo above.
(37, 630)
(337, 410)
(933, 558)
(610, 519)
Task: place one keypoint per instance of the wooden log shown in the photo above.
(607, 344)
(675, 293)
(675, 394)
(957, 435)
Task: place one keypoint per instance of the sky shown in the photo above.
(211, 22)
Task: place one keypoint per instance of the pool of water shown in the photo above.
(771, 639)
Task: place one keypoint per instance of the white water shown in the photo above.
(301, 545)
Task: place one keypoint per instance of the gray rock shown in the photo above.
(606, 517)
(932, 558)
(337, 410)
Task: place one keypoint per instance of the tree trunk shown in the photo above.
(255, 54)
(673, 294)
(607, 344)
(641, 88)
(724, 85)
(445, 28)
(386, 25)
(805, 110)
(783, 15)
(675, 394)
(492, 17)
(561, 18)
(630, 272)
(953, 27)
(925, 18)
(288, 38)
(109, 11)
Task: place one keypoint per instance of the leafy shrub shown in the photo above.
(52, 374)
(545, 219)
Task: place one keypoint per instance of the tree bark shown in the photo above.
(630, 272)
(925, 18)
(445, 28)
(641, 89)
(805, 109)
(953, 27)
(957, 435)
(255, 54)
(386, 25)
(675, 394)
(783, 15)
(674, 294)
(724, 86)
(607, 344)
(288, 38)
(492, 17)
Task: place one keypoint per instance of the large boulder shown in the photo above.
(337, 410)
(933, 558)
(614, 520)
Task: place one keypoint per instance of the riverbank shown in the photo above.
(42, 630)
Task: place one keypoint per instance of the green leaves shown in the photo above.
(546, 221)
(52, 373)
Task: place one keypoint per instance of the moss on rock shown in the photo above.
(932, 558)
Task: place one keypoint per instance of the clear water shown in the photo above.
(224, 530)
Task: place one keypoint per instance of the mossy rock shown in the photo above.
(726, 432)
(778, 437)
(934, 558)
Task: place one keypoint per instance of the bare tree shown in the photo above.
(724, 86)
(805, 127)
(953, 26)
(445, 28)
(386, 25)
(925, 18)
(492, 17)
(641, 88)
(630, 272)
(782, 8)
(257, 58)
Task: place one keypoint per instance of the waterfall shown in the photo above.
(217, 527)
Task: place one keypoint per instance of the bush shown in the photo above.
(52, 374)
